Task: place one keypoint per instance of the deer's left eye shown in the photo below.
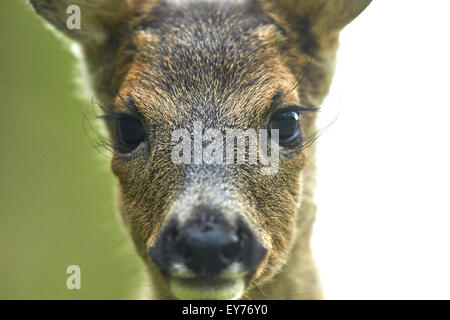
(288, 124)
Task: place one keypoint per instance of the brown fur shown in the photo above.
(173, 66)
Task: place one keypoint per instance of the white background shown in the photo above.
(383, 224)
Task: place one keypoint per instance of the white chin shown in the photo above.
(196, 289)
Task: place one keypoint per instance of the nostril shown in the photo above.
(185, 251)
(230, 251)
(182, 247)
(173, 234)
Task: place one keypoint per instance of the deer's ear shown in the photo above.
(83, 20)
(324, 16)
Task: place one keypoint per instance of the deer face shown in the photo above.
(190, 87)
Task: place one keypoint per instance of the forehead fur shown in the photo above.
(201, 56)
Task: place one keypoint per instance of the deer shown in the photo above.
(212, 229)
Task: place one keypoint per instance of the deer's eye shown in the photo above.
(130, 133)
(288, 124)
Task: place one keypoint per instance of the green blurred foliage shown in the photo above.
(56, 191)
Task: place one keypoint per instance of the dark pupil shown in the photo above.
(130, 133)
(288, 125)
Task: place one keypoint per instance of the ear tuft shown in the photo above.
(325, 16)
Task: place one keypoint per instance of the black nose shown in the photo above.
(207, 245)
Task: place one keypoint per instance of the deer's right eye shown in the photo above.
(130, 133)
